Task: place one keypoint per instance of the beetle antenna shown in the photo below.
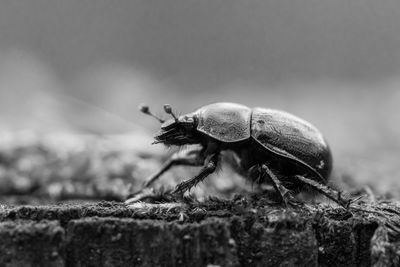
(146, 110)
(168, 110)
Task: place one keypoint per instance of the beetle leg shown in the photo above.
(255, 174)
(187, 157)
(284, 193)
(209, 167)
(325, 190)
(192, 157)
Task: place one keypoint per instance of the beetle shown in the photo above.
(267, 144)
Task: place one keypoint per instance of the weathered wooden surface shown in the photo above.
(241, 232)
(31, 243)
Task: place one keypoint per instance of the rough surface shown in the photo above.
(30, 243)
(128, 242)
(241, 232)
(281, 241)
(384, 252)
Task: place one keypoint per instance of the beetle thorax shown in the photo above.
(226, 122)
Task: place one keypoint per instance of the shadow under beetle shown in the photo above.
(269, 145)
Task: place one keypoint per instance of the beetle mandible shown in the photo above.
(268, 144)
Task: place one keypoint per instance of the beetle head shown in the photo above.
(176, 131)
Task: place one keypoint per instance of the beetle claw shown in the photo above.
(345, 203)
(141, 195)
(150, 195)
(289, 200)
(180, 189)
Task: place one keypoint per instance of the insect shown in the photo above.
(268, 145)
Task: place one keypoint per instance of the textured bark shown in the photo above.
(215, 233)
(30, 243)
(129, 242)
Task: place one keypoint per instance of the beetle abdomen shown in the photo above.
(226, 122)
(291, 137)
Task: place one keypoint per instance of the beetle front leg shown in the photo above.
(190, 157)
(209, 167)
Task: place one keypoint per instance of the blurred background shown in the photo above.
(83, 66)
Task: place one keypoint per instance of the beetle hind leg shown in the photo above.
(326, 191)
(285, 194)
